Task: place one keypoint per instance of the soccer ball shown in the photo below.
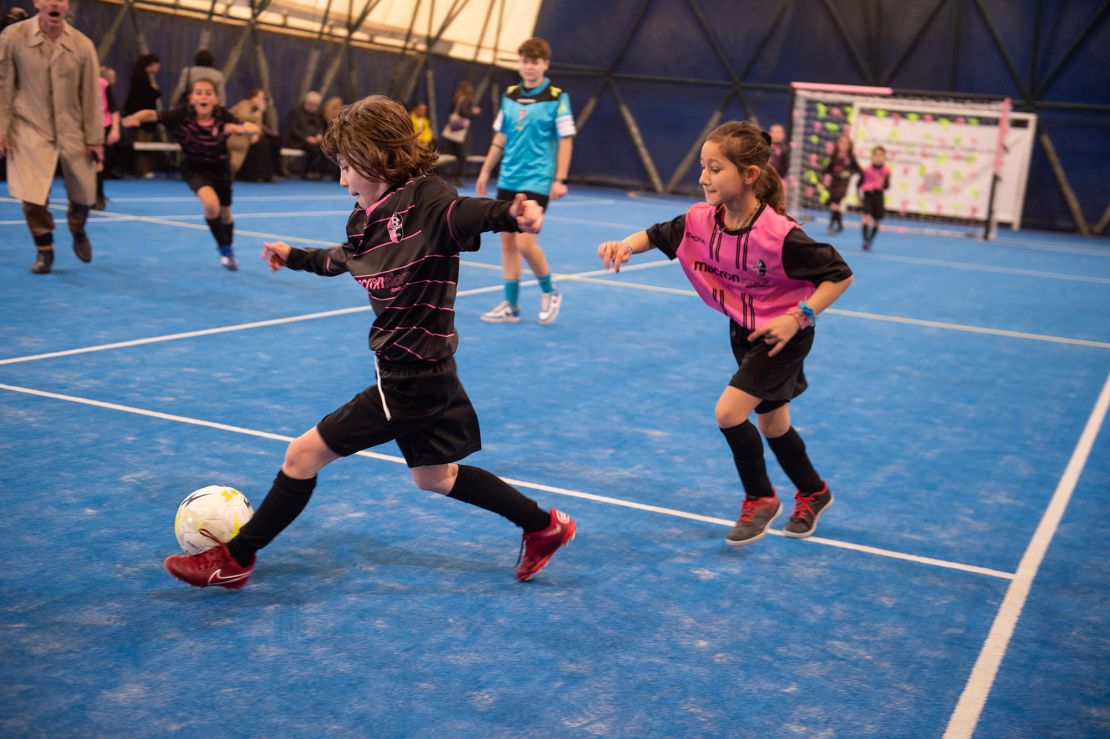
(216, 511)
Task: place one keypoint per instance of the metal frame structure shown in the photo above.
(413, 61)
(413, 57)
(1030, 89)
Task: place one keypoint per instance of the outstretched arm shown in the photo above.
(139, 117)
(248, 128)
(616, 253)
(528, 214)
(326, 262)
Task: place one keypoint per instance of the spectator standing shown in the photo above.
(50, 112)
(144, 93)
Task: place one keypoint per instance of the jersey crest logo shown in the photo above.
(396, 228)
(761, 267)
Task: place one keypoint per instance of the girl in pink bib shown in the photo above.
(748, 260)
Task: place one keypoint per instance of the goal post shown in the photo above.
(956, 161)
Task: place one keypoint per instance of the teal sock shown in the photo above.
(512, 291)
(545, 283)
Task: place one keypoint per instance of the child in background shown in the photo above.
(111, 132)
(534, 139)
(202, 128)
(780, 149)
(873, 186)
(403, 242)
(748, 260)
(838, 172)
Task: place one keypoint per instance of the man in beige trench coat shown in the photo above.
(50, 109)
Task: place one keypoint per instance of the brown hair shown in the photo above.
(376, 138)
(463, 90)
(535, 48)
(745, 145)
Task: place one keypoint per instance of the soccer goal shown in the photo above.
(959, 164)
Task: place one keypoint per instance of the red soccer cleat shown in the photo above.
(213, 566)
(539, 546)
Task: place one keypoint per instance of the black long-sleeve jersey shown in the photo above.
(404, 251)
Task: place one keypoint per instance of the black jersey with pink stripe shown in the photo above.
(202, 145)
(404, 251)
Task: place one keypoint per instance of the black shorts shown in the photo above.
(431, 417)
(218, 180)
(838, 188)
(774, 380)
(510, 194)
(874, 204)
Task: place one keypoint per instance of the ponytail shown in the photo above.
(769, 189)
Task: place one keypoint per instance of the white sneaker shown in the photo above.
(503, 313)
(549, 307)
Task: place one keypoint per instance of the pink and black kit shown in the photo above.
(753, 275)
(205, 160)
(873, 185)
(404, 252)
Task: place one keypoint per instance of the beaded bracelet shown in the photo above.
(803, 314)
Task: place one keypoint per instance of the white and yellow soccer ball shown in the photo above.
(216, 511)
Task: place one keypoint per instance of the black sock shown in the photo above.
(747, 451)
(285, 501)
(866, 232)
(837, 219)
(486, 490)
(874, 230)
(216, 226)
(229, 229)
(45, 242)
(790, 450)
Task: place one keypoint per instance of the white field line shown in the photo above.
(988, 268)
(867, 316)
(220, 330)
(965, 717)
(277, 321)
(520, 483)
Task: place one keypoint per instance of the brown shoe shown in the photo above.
(43, 262)
(82, 247)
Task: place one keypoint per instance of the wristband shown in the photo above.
(561, 180)
(803, 314)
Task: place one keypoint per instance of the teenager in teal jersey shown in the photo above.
(533, 137)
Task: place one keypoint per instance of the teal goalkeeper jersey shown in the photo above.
(533, 121)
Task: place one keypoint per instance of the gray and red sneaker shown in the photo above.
(538, 547)
(213, 566)
(756, 514)
(807, 509)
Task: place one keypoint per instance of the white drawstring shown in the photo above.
(381, 393)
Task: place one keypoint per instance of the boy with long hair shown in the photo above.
(403, 242)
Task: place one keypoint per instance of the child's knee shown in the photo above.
(438, 478)
(728, 416)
